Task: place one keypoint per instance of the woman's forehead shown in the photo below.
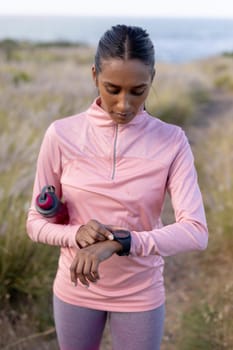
(132, 70)
(119, 64)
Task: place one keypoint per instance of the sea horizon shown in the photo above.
(176, 39)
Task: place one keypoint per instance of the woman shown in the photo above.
(113, 165)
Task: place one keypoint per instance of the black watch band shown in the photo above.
(124, 238)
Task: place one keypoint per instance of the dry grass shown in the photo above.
(177, 92)
(208, 324)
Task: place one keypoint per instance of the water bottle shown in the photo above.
(49, 205)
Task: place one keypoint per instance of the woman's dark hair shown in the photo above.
(125, 42)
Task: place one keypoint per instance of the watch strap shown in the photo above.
(124, 238)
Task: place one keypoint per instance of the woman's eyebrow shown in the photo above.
(108, 84)
(140, 86)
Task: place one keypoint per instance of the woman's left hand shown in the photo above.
(86, 262)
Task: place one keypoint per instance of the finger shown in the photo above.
(86, 237)
(87, 241)
(91, 234)
(73, 275)
(91, 237)
(114, 228)
(94, 269)
(83, 279)
(99, 237)
(105, 232)
(87, 271)
(83, 268)
(80, 274)
(83, 244)
(101, 232)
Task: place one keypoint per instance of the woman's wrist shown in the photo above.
(114, 245)
(123, 237)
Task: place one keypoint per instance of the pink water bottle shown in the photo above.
(49, 205)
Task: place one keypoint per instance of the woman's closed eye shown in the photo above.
(138, 92)
(115, 91)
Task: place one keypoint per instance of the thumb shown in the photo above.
(113, 228)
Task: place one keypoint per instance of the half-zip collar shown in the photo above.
(113, 132)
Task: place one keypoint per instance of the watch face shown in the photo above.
(121, 234)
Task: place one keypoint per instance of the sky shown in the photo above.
(160, 8)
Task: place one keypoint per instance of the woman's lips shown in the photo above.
(123, 116)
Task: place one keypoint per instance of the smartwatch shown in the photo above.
(124, 238)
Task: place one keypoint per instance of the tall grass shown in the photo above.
(177, 94)
(220, 72)
(208, 323)
(33, 94)
(215, 163)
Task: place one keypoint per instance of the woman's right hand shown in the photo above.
(91, 233)
(85, 266)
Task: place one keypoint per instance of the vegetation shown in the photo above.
(208, 323)
(40, 83)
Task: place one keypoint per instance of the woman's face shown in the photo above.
(123, 87)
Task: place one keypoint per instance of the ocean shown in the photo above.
(176, 40)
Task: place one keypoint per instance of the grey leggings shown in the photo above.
(81, 328)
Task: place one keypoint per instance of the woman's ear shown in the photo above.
(153, 75)
(94, 75)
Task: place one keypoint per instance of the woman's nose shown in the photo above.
(124, 103)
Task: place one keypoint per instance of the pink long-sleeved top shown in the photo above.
(118, 175)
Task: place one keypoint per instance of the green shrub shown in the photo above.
(199, 95)
(228, 54)
(26, 268)
(224, 81)
(176, 112)
(178, 104)
(172, 110)
(9, 46)
(21, 77)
